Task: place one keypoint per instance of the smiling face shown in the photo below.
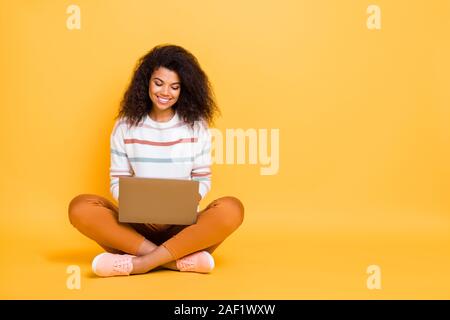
(164, 90)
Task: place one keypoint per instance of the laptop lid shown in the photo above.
(159, 201)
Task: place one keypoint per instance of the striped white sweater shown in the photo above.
(170, 150)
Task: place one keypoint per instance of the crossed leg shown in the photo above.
(97, 218)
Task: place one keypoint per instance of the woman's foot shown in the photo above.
(110, 264)
(201, 262)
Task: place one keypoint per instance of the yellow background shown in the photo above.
(363, 115)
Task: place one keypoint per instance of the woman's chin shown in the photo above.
(162, 107)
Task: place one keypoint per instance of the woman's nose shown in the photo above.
(165, 91)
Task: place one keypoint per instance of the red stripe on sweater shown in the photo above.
(157, 143)
(201, 174)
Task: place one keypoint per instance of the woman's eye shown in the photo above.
(175, 88)
(158, 84)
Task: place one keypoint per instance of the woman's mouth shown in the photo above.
(162, 100)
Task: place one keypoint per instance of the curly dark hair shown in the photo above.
(196, 101)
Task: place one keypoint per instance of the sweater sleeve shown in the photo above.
(201, 170)
(120, 166)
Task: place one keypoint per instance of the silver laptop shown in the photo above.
(159, 201)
